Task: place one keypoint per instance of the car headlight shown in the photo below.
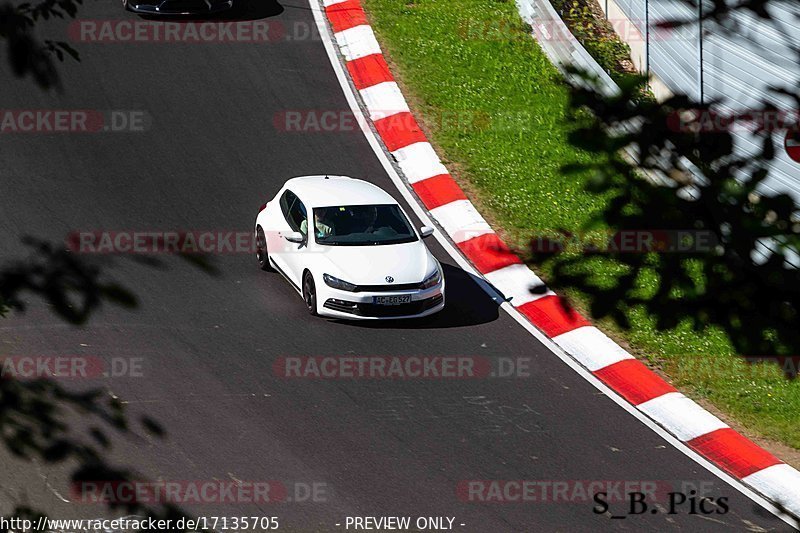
(432, 280)
(336, 283)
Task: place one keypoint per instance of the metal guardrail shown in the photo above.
(560, 45)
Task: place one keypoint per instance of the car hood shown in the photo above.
(370, 265)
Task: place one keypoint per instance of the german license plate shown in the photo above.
(391, 300)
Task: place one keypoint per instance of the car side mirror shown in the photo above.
(295, 237)
(426, 231)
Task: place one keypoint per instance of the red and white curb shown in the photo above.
(610, 363)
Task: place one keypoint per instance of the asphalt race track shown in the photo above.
(211, 155)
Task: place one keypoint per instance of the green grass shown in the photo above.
(495, 107)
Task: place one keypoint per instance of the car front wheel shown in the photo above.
(262, 253)
(310, 293)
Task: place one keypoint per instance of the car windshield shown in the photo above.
(361, 225)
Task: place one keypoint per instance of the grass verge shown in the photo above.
(494, 106)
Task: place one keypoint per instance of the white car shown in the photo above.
(349, 249)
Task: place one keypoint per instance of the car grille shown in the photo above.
(381, 311)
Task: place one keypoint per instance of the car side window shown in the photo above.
(297, 215)
(287, 199)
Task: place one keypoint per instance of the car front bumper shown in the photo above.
(336, 303)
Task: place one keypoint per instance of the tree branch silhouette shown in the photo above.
(34, 413)
(27, 55)
(745, 282)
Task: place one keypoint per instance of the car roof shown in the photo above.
(324, 191)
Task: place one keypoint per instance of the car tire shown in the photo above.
(310, 293)
(262, 252)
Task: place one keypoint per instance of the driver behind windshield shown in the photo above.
(323, 226)
(364, 225)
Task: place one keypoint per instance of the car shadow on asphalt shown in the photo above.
(466, 304)
(242, 11)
